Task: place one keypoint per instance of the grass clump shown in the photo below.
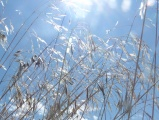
(66, 72)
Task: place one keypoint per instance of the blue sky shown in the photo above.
(98, 16)
(106, 19)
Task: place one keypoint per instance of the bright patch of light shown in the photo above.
(142, 9)
(82, 2)
(25, 107)
(126, 4)
(80, 7)
(41, 109)
(112, 3)
(95, 117)
(150, 2)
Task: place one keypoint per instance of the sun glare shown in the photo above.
(84, 3)
(151, 2)
(80, 7)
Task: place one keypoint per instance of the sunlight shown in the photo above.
(80, 7)
(82, 2)
(126, 4)
(151, 2)
(111, 3)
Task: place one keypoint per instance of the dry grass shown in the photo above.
(76, 74)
